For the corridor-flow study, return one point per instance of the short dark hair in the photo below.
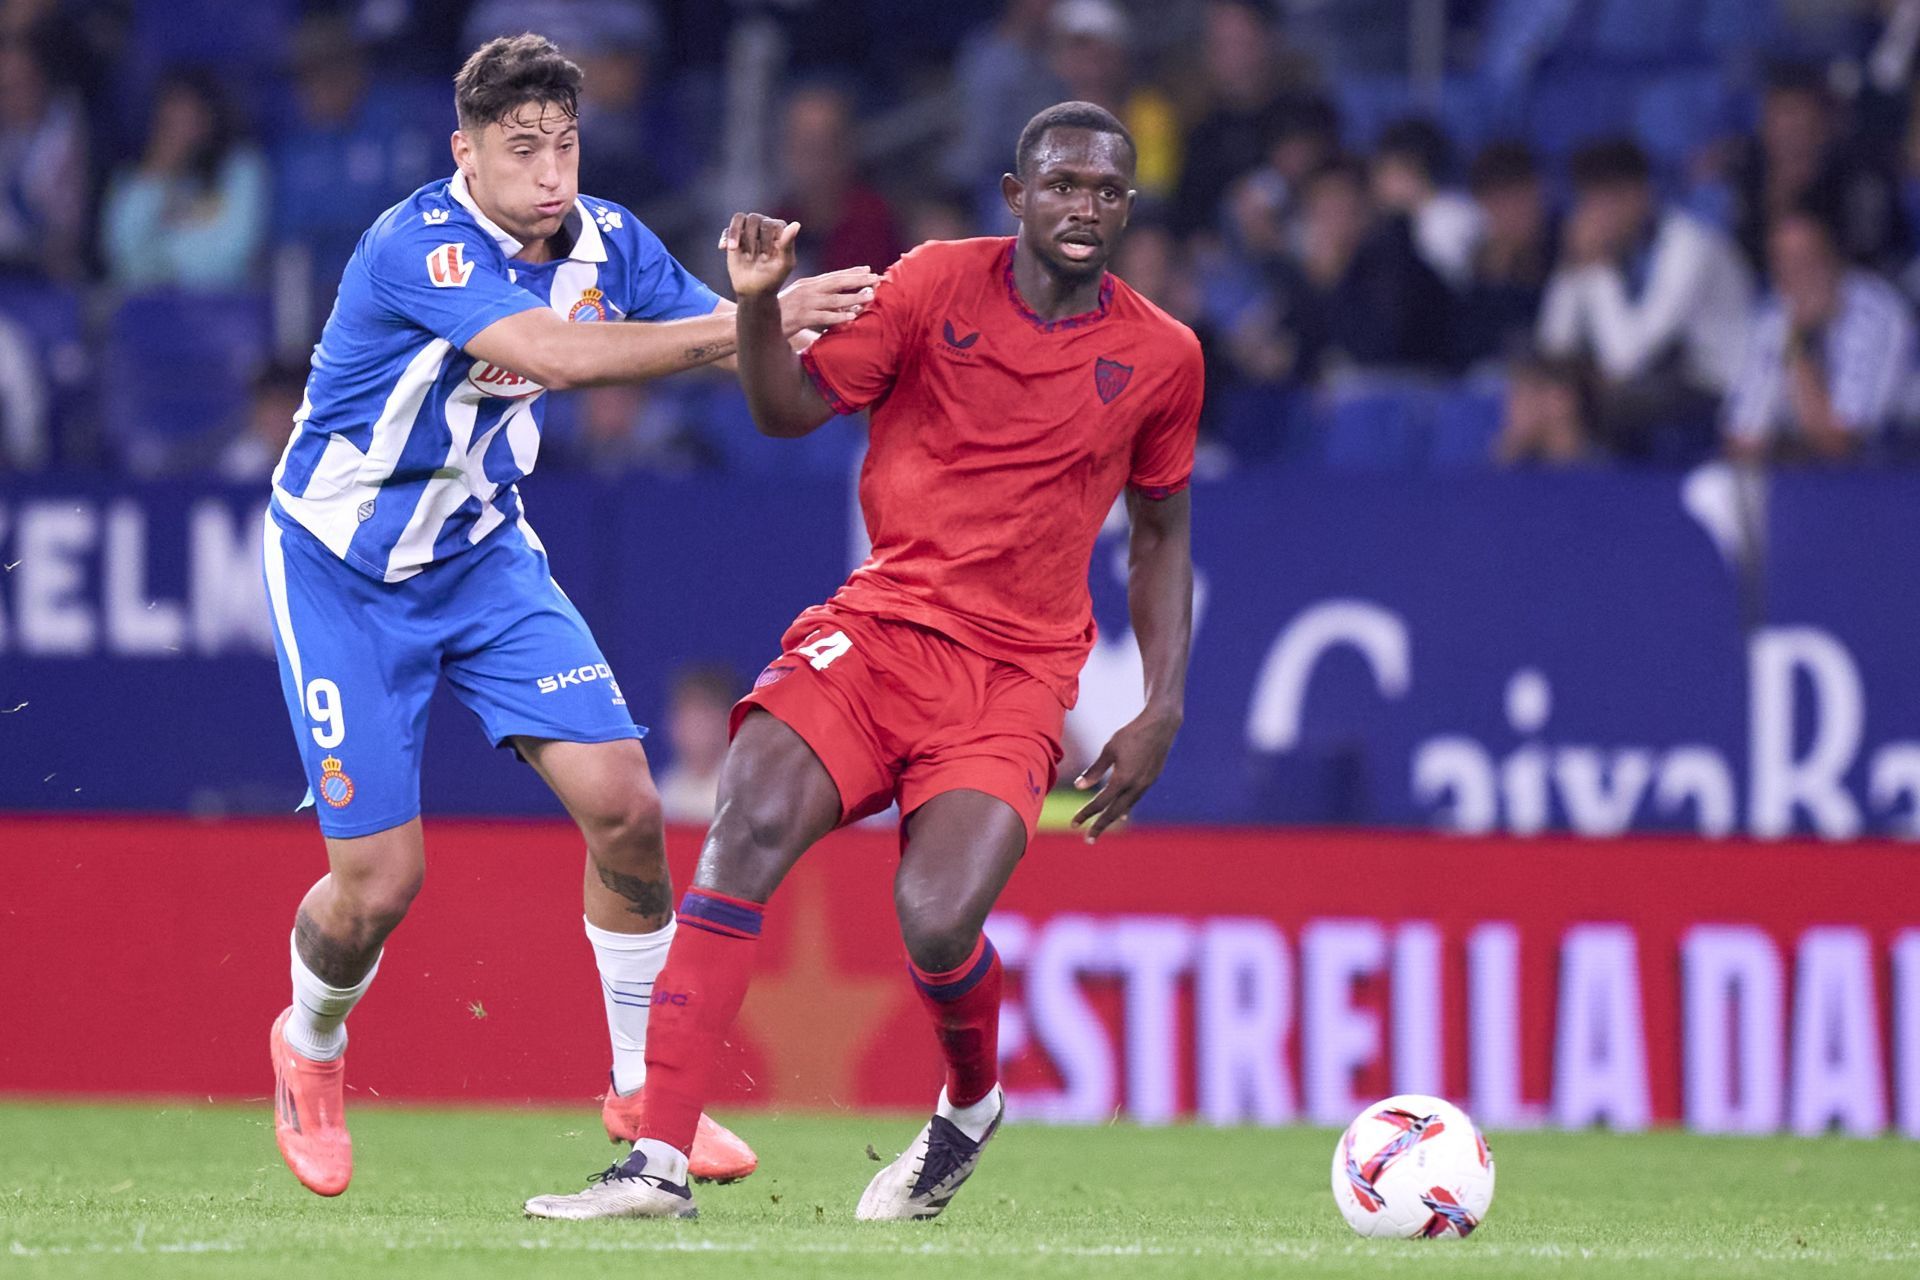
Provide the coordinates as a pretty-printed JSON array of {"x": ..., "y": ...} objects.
[
  {"x": 1575, "y": 374},
  {"x": 1339, "y": 168},
  {"x": 1069, "y": 115},
  {"x": 1502, "y": 164},
  {"x": 225, "y": 131},
  {"x": 1610, "y": 162},
  {"x": 1420, "y": 142},
  {"x": 1802, "y": 79},
  {"x": 510, "y": 72},
  {"x": 1816, "y": 214},
  {"x": 1307, "y": 115}
]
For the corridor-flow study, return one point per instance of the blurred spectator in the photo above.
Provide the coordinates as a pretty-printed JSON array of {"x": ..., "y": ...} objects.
[
  {"x": 1656, "y": 298},
  {"x": 936, "y": 215},
  {"x": 193, "y": 212},
  {"x": 421, "y": 37},
  {"x": 1151, "y": 260},
  {"x": 1410, "y": 162},
  {"x": 279, "y": 389},
  {"x": 344, "y": 158},
  {"x": 1499, "y": 304},
  {"x": 847, "y": 223},
  {"x": 1089, "y": 53},
  {"x": 1159, "y": 268},
  {"x": 1873, "y": 57},
  {"x": 1801, "y": 156},
  {"x": 43, "y": 167},
  {"x": 698, "y": 710},
  {"x": 1260, "y": 211},
  {"x": 1548, "y": 420},
  {"x": 1001, "y": 80},
  {"x": 632, "y": 150},
  {"x": 1357, "y": 294},
  {"x": 1831, "y": 352},
  {"x": 24, "y": 411},
  {"x": 1248, "y": 77}
]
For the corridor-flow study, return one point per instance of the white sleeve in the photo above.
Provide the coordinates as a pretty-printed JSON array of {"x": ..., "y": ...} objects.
[
  {"x": 1627, "y": 336},
  {"x": 1869, "y": 353}
]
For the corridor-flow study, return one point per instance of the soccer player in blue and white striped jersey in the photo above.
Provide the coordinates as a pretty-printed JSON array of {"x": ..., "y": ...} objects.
[{"x": 396, "y": 550}]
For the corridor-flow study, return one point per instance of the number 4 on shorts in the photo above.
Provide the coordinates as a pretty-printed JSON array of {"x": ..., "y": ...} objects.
[{"x": 822, "y": 653}]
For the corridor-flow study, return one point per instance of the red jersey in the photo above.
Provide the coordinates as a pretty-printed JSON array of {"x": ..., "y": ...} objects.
[{"x": 998, "y": 444}]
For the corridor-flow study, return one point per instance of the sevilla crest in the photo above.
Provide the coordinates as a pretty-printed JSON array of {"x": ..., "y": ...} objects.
[{"x": 1110, "y": 378}]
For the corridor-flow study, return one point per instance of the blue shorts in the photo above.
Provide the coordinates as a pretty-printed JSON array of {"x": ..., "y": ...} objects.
[{"x": 359, "y": 660}]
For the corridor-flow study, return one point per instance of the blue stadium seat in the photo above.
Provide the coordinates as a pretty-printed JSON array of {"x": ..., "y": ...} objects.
[
  {"x": 1379, "y": 427},
  {"x": 1368, "y": 104},
  {"x": 1569, "y": 109},
  {"x": 1464, "y": 426},
  {"x": 217, "y": 33},
  {"x": 1263, "y": 423},
  {"x": 1678, "y": 113},
  {"x": 177, "y": 367}
]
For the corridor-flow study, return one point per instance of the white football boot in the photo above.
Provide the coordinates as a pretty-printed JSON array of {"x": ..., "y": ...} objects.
[
  {"x": 650, "y": 1183},
  {"x": 924, "y": 1179}
]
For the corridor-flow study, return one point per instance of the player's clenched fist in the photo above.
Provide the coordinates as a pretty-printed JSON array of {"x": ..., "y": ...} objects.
[
  {"x": 760, "y": 257},
  {"x": 759, "y": 253}
]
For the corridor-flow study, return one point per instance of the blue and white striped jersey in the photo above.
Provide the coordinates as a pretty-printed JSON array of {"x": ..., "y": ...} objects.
[
  {"x": 1867, "y": 351},
  {"x": 406, "y": 450}
]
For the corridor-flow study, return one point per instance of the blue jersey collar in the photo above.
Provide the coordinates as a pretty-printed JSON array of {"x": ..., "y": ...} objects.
[{"x": 587, "y": 244}]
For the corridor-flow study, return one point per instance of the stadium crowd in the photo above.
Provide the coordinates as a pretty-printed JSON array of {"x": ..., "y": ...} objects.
[{"x": 1588, "y": 232}]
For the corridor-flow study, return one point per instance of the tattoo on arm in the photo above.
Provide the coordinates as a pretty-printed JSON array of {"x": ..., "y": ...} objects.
[
  {"x": 708, "y": 351},
  {"x": 336, "y": 963},
  {"x": 644, "y": 897}
]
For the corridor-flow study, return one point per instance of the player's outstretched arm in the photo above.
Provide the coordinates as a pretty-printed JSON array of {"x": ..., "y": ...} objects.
[
  {"x": 538, "y": 344},
  {"x": 781, "y": 396},
  {"x": 1160, "y": 600}
]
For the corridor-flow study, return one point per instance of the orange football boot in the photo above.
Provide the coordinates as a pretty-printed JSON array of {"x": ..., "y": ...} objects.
[
  {"x": 309, "y": 1115},
  {"x": 719, "y": 1154}
]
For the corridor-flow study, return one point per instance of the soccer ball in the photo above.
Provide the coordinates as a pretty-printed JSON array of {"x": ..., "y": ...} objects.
[{"x": 1412, "y": 1166}]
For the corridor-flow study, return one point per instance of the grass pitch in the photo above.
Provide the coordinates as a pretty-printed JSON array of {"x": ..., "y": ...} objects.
[{"x": 199, "y": 1191}]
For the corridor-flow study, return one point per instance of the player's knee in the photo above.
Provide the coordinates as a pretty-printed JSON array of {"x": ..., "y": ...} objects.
[
  {"x": 627, "y": 829},
  {"x": 374, "y": 905},
  {"x": 938, "y": 938},
  {"x": 753, "y": 841}
]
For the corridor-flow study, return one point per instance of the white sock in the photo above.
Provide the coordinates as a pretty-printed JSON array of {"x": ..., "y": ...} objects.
[
  {"x": 663, "y": 1161},
  {"x": 629, "y": 962},
  {"x": 974, "y": 1121},
  {"x": 317, "y": 1028}
]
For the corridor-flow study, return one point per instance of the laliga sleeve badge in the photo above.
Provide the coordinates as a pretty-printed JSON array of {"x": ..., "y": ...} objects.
[
  {"x": 336, "y": 788},
  {"x": 446, "y": 269}
]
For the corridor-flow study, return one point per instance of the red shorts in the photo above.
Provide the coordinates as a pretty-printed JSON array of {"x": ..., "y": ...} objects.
[{"x": 898, "y": 712}]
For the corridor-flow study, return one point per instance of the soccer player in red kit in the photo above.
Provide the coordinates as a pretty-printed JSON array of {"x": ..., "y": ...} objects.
[{"x": 1016, "y": 390}]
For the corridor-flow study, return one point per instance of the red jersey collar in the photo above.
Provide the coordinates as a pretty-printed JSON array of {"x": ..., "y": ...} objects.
[{"x": 1032, "y": 317}]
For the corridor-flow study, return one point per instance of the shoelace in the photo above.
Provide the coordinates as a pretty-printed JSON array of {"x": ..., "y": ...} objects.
[
  {"x": 620, "y": 1173},
  {"x": 948, "y": 1149}
]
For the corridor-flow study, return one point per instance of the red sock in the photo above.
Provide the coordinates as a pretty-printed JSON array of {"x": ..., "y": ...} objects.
[
  {"x": 695, "y": 999},
  {"x": 965, "y": 1006}
]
